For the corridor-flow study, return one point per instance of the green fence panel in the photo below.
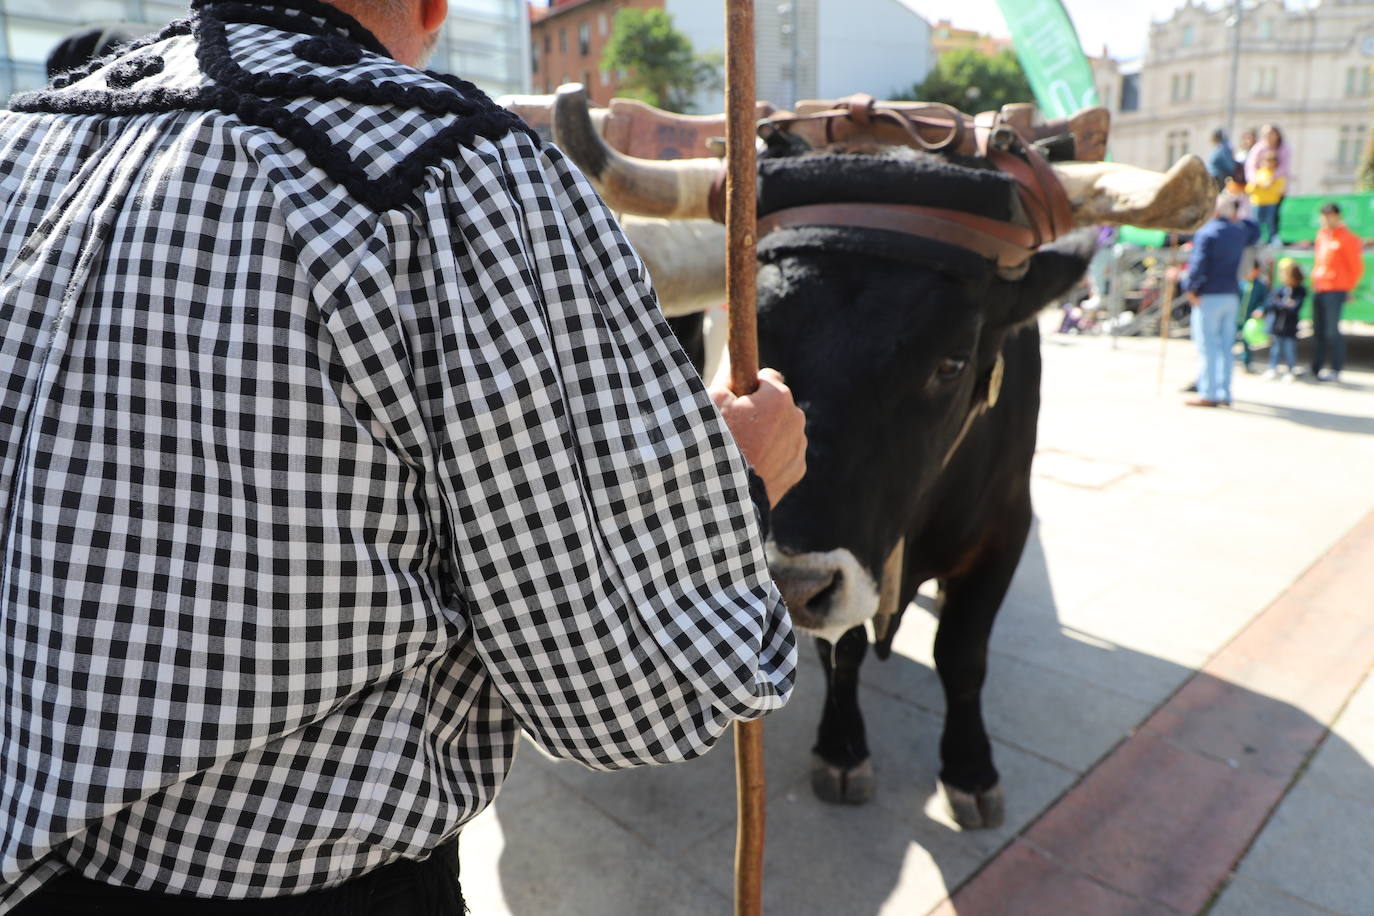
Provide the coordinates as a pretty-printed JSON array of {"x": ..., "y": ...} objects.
[{"x": 1300, "y": 215}]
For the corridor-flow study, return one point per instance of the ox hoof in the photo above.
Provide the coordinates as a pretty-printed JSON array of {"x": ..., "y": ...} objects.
[
  {"x": 975, "y": 811},
  {"x": 841, "y": 786}
]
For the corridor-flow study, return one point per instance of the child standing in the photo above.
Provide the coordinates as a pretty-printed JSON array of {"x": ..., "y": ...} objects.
[
  {"x": 1254, "y": 299},
  {"x": 1266, "y": 190},
  {"x": 1284, "y": 306}
]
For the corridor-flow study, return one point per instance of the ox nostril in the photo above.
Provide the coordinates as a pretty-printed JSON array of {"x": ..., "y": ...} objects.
[{"x": 809, "y": 590}]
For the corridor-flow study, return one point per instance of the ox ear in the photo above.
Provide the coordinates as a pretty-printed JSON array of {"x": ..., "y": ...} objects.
[{"x": 1053, "y": 271}]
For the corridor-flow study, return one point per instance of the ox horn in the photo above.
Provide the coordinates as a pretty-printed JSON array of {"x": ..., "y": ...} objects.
[
  {"x": 674, "y": 189},
  {"x": 1179, "y": 200}
]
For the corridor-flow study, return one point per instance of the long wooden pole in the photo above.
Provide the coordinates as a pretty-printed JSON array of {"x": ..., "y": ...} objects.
[
  {"x": 1166, "y": 311},
  {"x": 741, "y": 272}
]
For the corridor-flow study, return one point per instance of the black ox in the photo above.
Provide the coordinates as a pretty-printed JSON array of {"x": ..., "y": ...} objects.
[{"x": 917, "y": 364}]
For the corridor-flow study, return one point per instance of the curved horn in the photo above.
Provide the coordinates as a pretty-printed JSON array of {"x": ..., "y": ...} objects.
[
  {"x": 685, "y": 259},
  {"x": 676, "y": 189},
  {"x": 1180, "y": 200}
]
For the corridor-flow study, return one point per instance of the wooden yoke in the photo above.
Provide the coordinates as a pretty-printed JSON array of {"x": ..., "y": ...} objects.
[{"x": 741, "y": 278}]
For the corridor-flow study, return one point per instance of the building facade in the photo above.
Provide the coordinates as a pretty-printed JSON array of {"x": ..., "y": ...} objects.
[
  {"x": 804, "y": 48},
  {"x": 486, "y": 41},
  {"x": 1306, "y": 70},
  {"x": 945, "y": 37}
]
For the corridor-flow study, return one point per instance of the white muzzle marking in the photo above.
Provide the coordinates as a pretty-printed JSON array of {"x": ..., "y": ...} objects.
[{"x": 851, "y": 593}]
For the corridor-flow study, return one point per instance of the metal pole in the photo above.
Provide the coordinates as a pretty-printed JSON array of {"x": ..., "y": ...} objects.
[
  {"x": 1235, "y": 74},
  {"x": 741, "y": 278}
]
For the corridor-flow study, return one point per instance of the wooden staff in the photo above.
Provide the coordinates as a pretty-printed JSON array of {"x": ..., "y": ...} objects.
[
  {"x": 1166, "y": 313},
  {"x": 741, "y": 277}
]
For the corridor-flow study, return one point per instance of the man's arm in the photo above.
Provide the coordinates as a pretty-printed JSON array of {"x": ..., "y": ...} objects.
[
  {"x": 604, "y": 543},
  {"x": 1195, "y": 277},
  {"x": 1353, "y": 253}
]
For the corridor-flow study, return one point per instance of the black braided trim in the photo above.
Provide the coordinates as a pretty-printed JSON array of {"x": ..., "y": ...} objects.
[
  {"x": 127, "y": 72},
  {"x": 62, "y": 80},
  {"x": 247, "y": 95}
]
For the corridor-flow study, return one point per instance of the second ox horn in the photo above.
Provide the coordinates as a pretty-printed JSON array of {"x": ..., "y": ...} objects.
[{"x": 673, "y": 189}]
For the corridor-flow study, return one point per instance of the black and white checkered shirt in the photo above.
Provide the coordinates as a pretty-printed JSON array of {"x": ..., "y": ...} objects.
[{"x": 340, "y": 440}]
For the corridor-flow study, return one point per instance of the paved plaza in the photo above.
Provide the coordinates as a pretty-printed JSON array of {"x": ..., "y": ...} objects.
[{"x": 1179, "y": 695}]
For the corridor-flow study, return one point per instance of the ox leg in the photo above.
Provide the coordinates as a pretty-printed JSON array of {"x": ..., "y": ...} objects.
[
  {"x": 841, "y": 771},
  {"x": 968, "y": 605}
]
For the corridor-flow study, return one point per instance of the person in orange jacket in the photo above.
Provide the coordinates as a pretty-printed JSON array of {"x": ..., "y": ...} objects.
[{"x": 1338, "y": 268}]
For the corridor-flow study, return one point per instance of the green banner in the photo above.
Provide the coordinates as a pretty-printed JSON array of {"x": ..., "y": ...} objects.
[{"x": 1051, "y": 56}]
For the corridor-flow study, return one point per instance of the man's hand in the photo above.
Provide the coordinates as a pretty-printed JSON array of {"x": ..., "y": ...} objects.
[
  {"x": 769, "y": 428},
  {"x": 1194, "y": 299}
]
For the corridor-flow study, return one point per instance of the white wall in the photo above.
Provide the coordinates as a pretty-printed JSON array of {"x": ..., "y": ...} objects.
[
  {"x": 872, "y": 46},
  {"x": 844, "y": 47}
]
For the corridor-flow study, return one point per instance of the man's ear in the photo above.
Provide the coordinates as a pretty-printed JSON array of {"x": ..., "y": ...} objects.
[
  {"x": 1053, "y": 271},
  {"x": 432, "y": 14}
]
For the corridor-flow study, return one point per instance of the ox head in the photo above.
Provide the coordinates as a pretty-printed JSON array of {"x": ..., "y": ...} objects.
[{"x": 889, "y": 340}]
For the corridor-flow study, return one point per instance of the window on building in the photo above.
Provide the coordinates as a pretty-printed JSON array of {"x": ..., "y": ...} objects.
[
  {"x": 587, "y": 79},
  {"x": 603, "y": 24},
  {"x": 548, "y": 43},
  {"x": 605, "y": 77},
  {"x": 1357, "y": 82},
  {"x": 1181, "y": 87},
  {"x": 1130, "y": 92},
  {"x": 584, "y": 39},
  {"x": 1266, "y": 29},
  {"x": 563, "y": 41},
  {"x": 1176, "y": 143},
  {"x": 1266, "y": 82},
  {"x": 534, "y": 57},
  {"x": 1351, "y": 145},
  {"x": 1189, "y": 35}
]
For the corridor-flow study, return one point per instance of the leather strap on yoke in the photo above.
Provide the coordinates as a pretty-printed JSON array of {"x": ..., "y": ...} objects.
[
  {"x": 934, "y": 128},
  {"x": 1008, "y": 244}
]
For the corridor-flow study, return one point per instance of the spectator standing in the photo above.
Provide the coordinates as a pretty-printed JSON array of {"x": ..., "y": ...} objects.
[
  {"x": 1339, "y": 265},
  {"x": 1212, "y": 282},
  {"x": 1266, "y": 190},
  {"x": 1222, "y": 162},
  {"x": 1256, "y": 297},
  {"x": 1271, "y": 141},
  {"x": 1283, "y": 308},
  {"x": 1247, "y": 140}
]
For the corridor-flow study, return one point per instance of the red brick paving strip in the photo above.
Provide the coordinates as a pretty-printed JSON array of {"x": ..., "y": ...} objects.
[{"x": 1159, "y": 824}]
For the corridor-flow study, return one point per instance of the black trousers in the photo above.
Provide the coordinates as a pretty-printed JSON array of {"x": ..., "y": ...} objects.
[{"x": 403, "y": 888}]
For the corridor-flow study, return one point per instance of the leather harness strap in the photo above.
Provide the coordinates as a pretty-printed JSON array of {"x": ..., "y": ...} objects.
[
  {"x": 1008, "y": 244},
  {"x": 934, "y": 128}
]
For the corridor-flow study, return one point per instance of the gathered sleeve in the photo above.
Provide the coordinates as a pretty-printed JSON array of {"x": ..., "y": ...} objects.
[{"x": 603, "y": 541}]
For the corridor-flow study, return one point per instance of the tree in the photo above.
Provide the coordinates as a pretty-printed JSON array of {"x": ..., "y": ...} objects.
[
  {"x": 973, "y": 82},
  {"x": 658, "y": 61}
]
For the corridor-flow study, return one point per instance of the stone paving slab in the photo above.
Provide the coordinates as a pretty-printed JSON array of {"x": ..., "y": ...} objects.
[
  {"x": 1161, "y": 534},
  {"x": 1317, "y": 849},
  {"x": 1244, "y": 897}
]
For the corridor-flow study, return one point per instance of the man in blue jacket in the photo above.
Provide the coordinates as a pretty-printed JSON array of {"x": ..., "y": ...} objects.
[
  {"x": 1212, "y": 283},
  {"x": 1222, "y": 163}
]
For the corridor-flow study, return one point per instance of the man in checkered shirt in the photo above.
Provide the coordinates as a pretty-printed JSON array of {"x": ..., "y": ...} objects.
[{"x": 340, "y": 441}]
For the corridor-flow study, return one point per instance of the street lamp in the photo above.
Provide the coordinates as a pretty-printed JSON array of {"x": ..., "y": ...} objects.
[{"x": 1233, "y": 23}]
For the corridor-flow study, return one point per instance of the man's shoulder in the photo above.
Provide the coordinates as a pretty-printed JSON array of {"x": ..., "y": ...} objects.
[{"x": 305, "y": 73}]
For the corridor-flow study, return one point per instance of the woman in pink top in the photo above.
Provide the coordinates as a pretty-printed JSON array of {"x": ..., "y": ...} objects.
[{"x": 1270, "y": 139}]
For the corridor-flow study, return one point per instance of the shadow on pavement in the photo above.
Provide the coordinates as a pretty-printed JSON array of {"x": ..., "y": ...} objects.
[
  {"x": 660, "y": 841},
  {"x": 1316, "y": 419}
]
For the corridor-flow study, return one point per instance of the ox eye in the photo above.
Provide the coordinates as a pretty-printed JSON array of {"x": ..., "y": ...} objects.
[{"x": 950, "y": 368}]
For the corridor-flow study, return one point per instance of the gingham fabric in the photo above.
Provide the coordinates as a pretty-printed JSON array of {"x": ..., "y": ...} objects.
[{"x": 308, "y": 507}]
